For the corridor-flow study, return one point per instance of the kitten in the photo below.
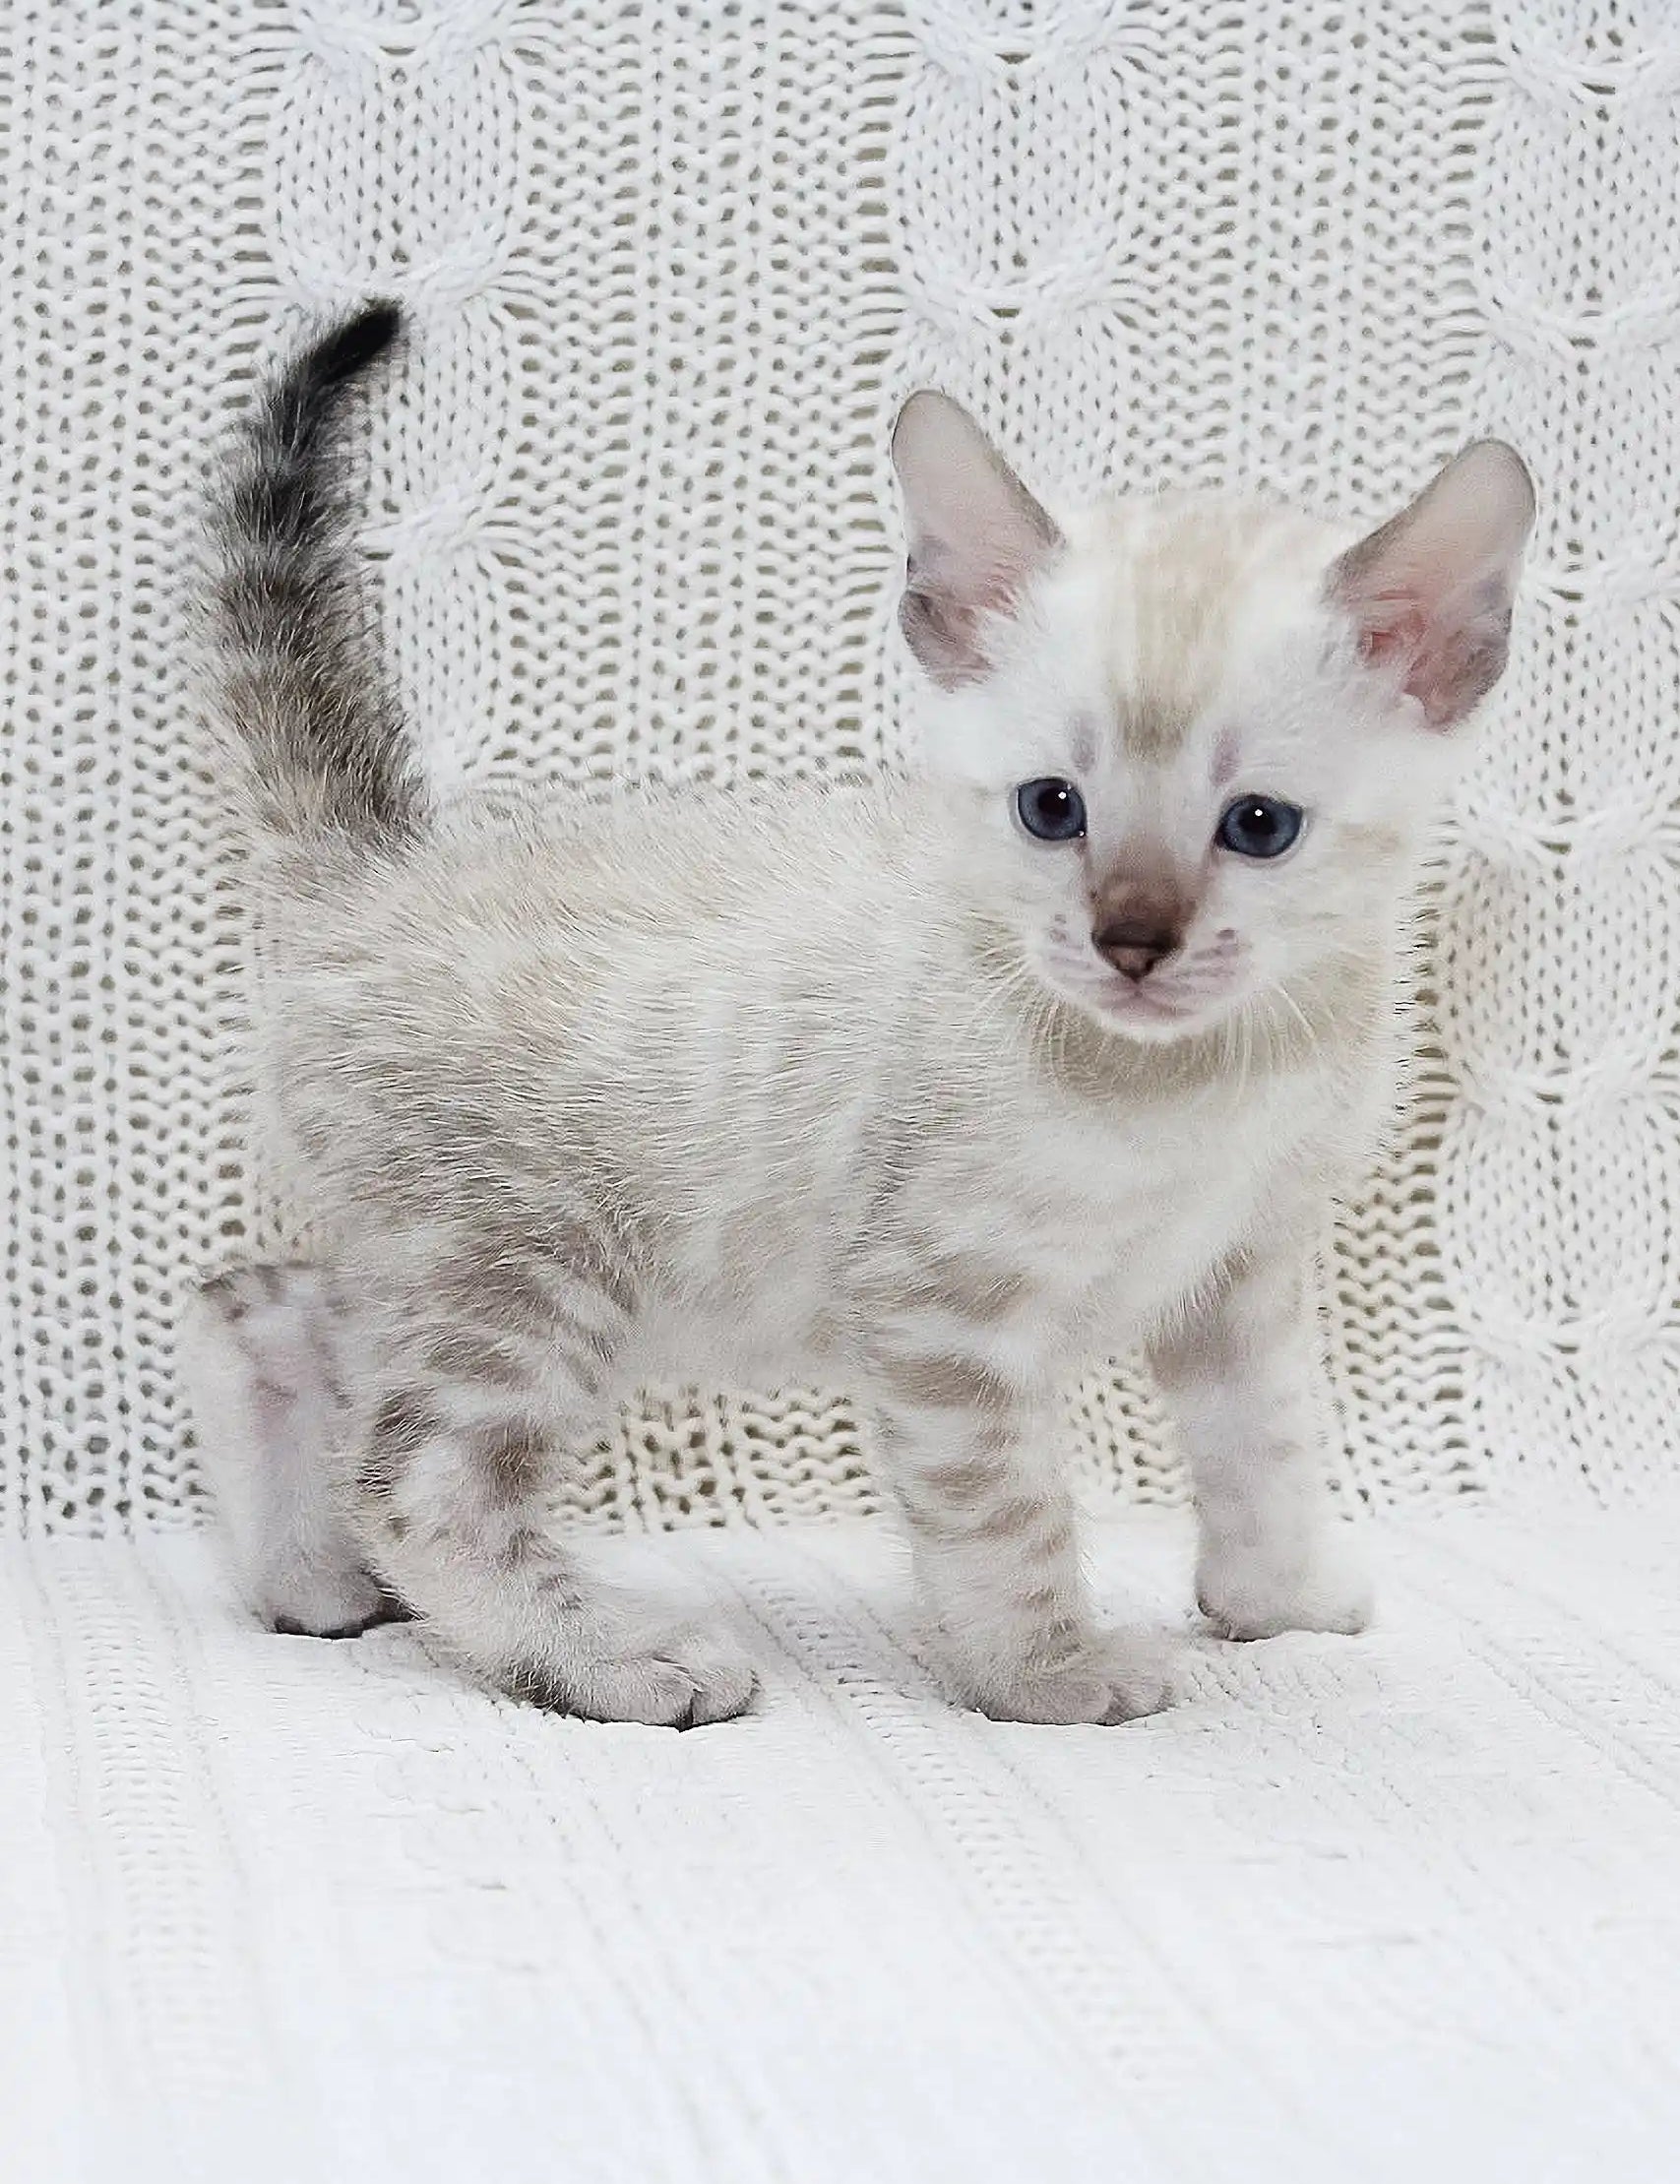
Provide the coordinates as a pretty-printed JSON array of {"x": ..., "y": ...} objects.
[{"x": 939, "y": 1089}]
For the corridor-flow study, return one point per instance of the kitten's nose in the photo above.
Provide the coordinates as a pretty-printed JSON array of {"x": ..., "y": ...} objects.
[{"x": 1135, "y": 945}]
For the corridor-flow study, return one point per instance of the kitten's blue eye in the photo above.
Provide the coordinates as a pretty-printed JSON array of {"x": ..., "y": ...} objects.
[
  {"x": 1051, "y": 810},
  {"x": 1259, "y": 825}
]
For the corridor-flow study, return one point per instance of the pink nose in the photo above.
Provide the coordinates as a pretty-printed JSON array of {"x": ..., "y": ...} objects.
[{"x": 1135, "y": 945}]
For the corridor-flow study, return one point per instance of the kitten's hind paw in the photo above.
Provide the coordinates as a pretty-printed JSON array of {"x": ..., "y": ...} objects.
[
  {"x": 1109, "y": 1678},
  {"x": 683, "y": 1681},
  {"x": 333, "y": 1603},
  {"x": 258, "y": 1352}
]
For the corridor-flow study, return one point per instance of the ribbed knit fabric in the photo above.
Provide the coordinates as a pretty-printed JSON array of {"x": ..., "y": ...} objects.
[
  {"x": 1398, "y": 1908},
  {"x": 671, "y": 269}
]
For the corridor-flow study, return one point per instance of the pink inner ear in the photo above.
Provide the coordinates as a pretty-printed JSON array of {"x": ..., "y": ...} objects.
[
  {"x": 945, "y": 607},
  {"x": 1394, "y": 632},
  {"x": 1430, "y": 592},
  {"x": 1398, "y": 636},
  {"x": 1445, "y": 665}
]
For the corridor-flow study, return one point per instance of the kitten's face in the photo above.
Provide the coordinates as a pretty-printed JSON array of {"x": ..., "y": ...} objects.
[
  {"x": 1192, "y": 744},
  {"x": 1176, "y": 684}
]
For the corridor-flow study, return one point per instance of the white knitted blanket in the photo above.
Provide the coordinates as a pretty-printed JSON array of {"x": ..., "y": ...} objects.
[
  {"x": 1400, "y": 1910},
  {"x": 1403, "y": 1908},
  {"x": 672, "y": 267}
]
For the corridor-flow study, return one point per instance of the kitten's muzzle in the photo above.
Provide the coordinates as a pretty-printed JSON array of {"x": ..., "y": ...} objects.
[{"x": 1135, "y": 946}]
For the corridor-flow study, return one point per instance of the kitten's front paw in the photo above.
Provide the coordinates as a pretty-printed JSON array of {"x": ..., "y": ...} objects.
[
  {"x": 1253, "y": 1593},
  {"x": 1109, "y": 1677},
  {"x": 682, "y": 1681}
]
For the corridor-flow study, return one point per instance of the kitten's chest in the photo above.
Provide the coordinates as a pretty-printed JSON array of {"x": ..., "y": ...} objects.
[{"x": 1168, "y": 1195}]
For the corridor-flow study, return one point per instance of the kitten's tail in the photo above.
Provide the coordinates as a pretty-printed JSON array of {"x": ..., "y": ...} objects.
[{"x": 317, "y": 739}]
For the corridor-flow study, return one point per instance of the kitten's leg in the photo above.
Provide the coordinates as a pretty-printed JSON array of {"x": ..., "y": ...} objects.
[
  {"x": 257, "y": 1362},
  {"x": 1241, "y": 1373},
  {"x": 996, "y": 1545},
  {"x": 464, "y": 1444}
]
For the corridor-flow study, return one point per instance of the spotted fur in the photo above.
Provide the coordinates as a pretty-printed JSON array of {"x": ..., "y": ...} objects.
[{"x": 839, "y": 1084}]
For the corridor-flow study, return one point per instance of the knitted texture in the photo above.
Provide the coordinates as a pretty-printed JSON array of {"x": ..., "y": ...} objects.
[
  {"x": 1396, "y": 1909},
  {"x": 671, "y": 268}
]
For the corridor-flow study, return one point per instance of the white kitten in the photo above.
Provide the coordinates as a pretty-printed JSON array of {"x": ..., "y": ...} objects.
[{"x": 942, "y": 1089}]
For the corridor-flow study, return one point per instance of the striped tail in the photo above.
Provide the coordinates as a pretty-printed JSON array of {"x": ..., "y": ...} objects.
[{"x": 320, "y": 744}]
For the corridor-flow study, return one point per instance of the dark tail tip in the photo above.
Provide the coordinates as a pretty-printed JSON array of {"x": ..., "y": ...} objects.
[
  {"x": 353, "y": 345},
  {"x": 304, "y": 398}
]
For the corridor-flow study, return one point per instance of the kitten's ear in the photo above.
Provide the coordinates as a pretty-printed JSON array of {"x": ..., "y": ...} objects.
[
  {"x": 1430, "y": 593},
  {"x": 976, "y": 537}
]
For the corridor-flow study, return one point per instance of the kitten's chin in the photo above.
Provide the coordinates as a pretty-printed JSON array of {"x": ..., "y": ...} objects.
[
  {"x": 1136, "y": 1016},
  {"x": 1153, "y": 1017}
]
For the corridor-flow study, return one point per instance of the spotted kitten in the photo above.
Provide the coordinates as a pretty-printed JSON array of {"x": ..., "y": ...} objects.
[{"x": 941, "y": 1089}]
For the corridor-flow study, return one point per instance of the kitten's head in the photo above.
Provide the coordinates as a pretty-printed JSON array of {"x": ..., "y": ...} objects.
[{"x": 1192, "y": 743}]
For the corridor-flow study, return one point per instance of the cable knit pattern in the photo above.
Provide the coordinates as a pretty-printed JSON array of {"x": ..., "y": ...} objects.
[
  {"x": 1385, "y": 1909},
  {"x": 1390, "y": 1910},
  {"x": 670, "y": 272}
]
